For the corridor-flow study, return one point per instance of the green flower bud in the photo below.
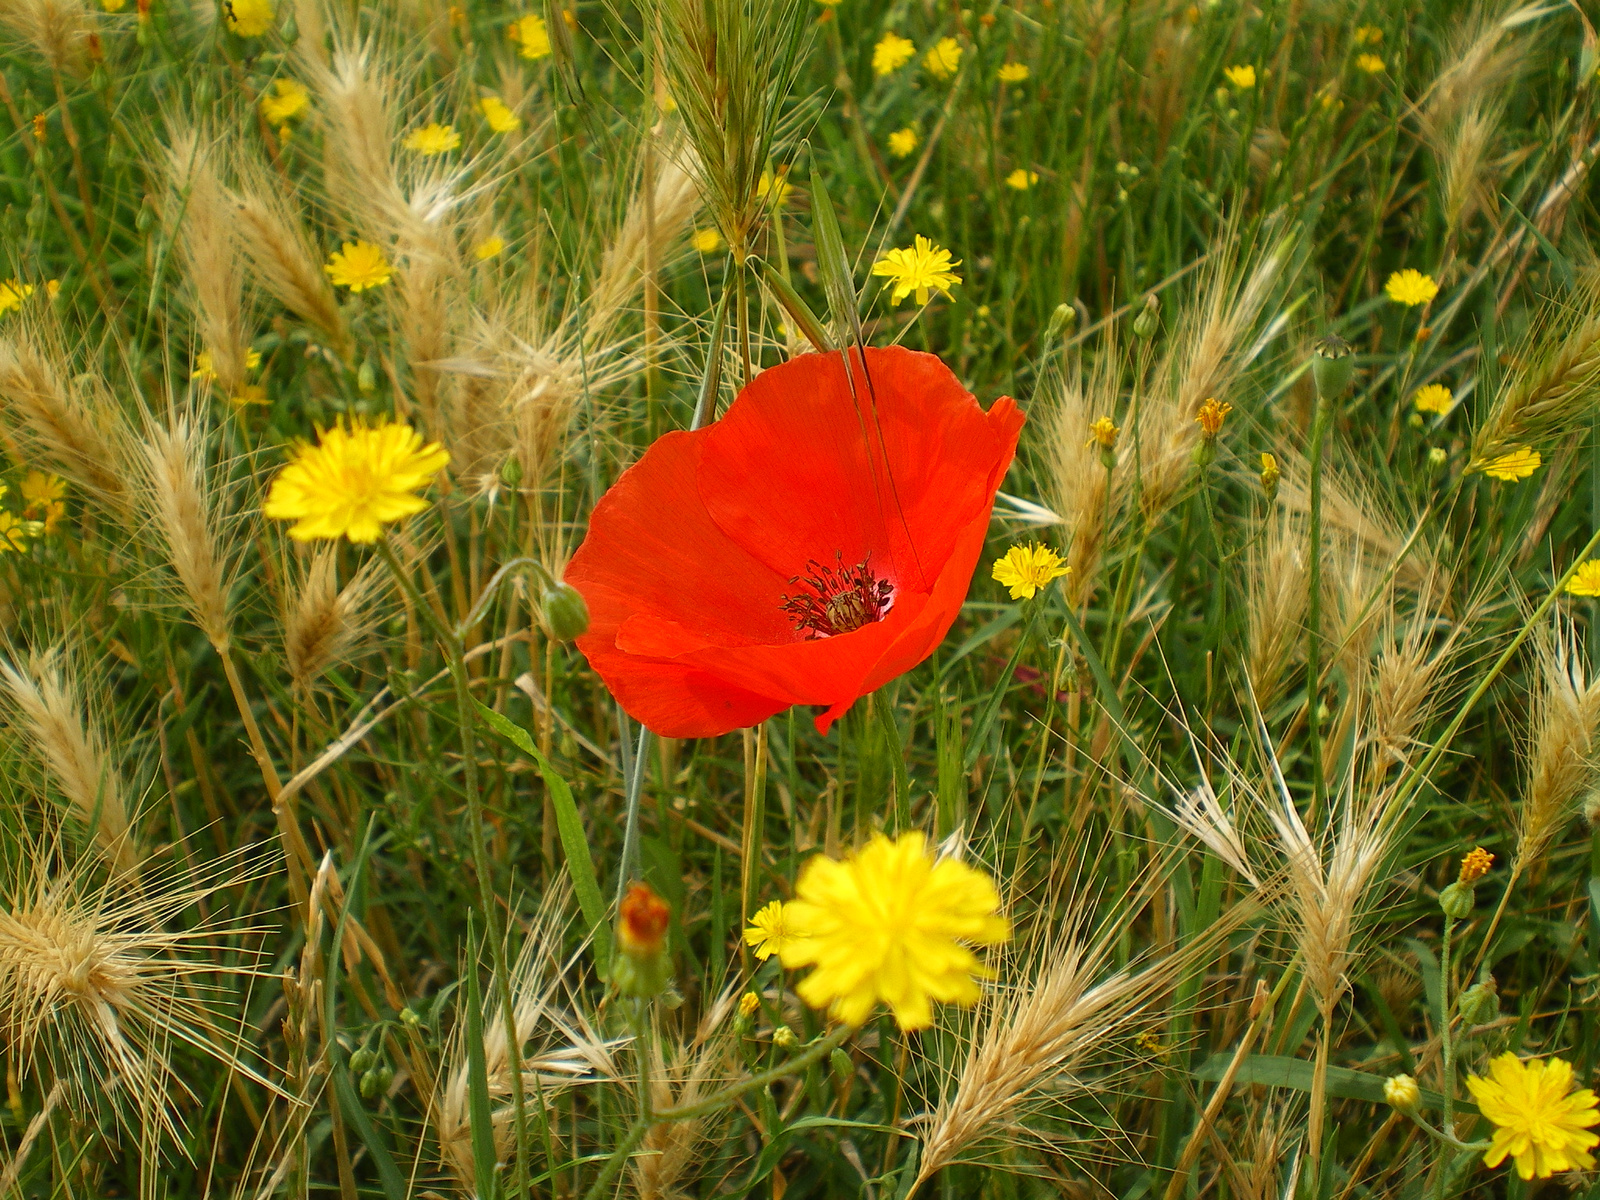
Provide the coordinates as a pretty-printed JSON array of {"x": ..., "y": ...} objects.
[
  {"x": 363, "y": 1060},
  {"x": 566, "y": 616},
  {"x": 1064, "y": 317},
  {"x": 785, "y": 1038},
  {"x": 1333, "y": 363},
  {"x": 842, "y": 1068},
  {"x": 367, "y": 377},
  {"x": 511, "y": 473},
  {"x": 376, "y": 1082},
  {"x": 1479, "y": 1004},
  {"x": 1457, "y": 900},
  {"x": 1149, "y": 318}
]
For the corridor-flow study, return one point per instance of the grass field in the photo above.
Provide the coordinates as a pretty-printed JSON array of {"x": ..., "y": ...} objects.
[{"x": 1210, "y": 817}]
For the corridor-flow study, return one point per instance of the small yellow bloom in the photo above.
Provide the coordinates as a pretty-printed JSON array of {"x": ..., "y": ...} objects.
[
  {"x": 748, "y": 1003},
  {"x": 1013, "y": 72},
  {"x": 903, "y": 141},
  {"x": 499, "y": 116},
  {"x": 1585, "y": 580},
  {"x": 358, "y": 266},
  {"x": 113, "y": 6},
  {"x": 12, "y": 294},
  {"x": 1475, "y": 865},
  {"x": 288, "y": 98},
  {"x": 943, "y": 59},
  {"x": 921, "y": 268},
  {"x": 1411, "y": 288},
  {"x": 531, "y": 36},
  {"x": 52, "y": 288},
  {"x": 13, "y": 533},
  {"x": 1371, "y": 64},
  {"x": 1211, "y": 416},
  {"x": 1518, "y": 464},
  {"x": 249, "y": 393},
  {"x": 1026, "y": 570},
  {"x": 1103, "y": 430},
  {"x": 433, "y": 139},
  {"x": 39, "y": 488},
  {"x": 1368, "y": 35},
  {"x": 1270, "y": 474},
  {"x": 707, "y": 241},
  {"x": 489, "y": 247},
  {"x": 1022, "y": 180},
  {"x": 249, "y": 18},
  {"x": 891, "y": 923},
  {"x": 891, "y": 53},
  {"x": 1243, "y": 78},
  {"x": 768, "y": 933},
  {"x": 1433, "y": 398},
  {"x": 354, "y": 481},
  {"x": 779, "y": 190},
  {"x": 1543, "y": 1124},
  {"x": 1151, "y": 1044},
  {"x": 205, "y": 369},
  {"x": 1402, "y": 1092}
]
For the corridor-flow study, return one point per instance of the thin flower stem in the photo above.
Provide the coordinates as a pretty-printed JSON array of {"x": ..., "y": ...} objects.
[
  {"x": 455, "y": 658},
  {"x": 1447, "y": 1063},
  {"x": 688, "y": 1112},
  {"x": 1322, "y": 409},
  {"x": 630, "y": 831}
]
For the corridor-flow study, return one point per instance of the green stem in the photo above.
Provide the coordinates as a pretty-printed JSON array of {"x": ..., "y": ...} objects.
[
  {"x": 1447, "y": 1049},
  {"x": 1320, "y": 419},
  {"x": 455, "y": 656}
]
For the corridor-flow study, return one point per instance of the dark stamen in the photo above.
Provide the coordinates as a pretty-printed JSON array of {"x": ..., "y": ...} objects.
[{"x": 841, "y": 598}]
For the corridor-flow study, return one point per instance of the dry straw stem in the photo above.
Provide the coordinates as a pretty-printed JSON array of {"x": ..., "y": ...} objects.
[
  {"x": 57, "y": 30},
  {"x": 570, "y": 1051},
  {"x": 1077, "y": 477},
  {"x": 667, "y": 1157},
  {"x": 282, "y": 255},
  {"x": 730, "y": 65},
  {"x": 1276, "y": 587},
  {"x": 1071, "y": 1009},
  {"x": 1563, "y": 765},
  {"x": 322, "y": 622},
  {"x": 48, "y": 709},
  {"x": 1213, "y": 342},
  {"x": 96, "y": 990},
  {"x": 206, "y": 227},
  {"x": 65, "y": 420},
  {"x": 1550, "y": 393},
  {"x": 184, "y": 510}
]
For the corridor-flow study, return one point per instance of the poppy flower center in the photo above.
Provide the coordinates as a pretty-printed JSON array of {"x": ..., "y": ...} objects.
[{"x": 840, "y": 599}]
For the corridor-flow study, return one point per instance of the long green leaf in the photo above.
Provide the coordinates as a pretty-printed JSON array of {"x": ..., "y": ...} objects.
[
  {"x": 483, "y": 1152},
  {"x": 574, "y": 842},
  {"x": 1277, "y": 1070}
]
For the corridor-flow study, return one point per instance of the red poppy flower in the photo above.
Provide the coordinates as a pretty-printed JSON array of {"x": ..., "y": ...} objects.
[{"x": 809, "y": 547}]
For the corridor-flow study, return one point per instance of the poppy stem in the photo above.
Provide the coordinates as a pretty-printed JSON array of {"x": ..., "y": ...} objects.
[{"x": 630, "y": 829}]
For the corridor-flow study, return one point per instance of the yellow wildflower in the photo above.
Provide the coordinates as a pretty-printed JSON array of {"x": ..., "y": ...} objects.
[
  {"x": 707, "y": 241},
  {"x": 288, "y": 98},
  {"x": 1013, "y": 72},
  {"x": 358, "y": 266},
  {"x": 205, "y": 369},
  {"x": 531, "y": 36},
  {"x": 1211, "y": 416},
  {"x": 1433, "y": 398},
  {"x": 489, "y": 247},
  {"x": 433, "y": 138},
  {"x": 1022, "y": 180},
  {"x": 903, "y": 141},
  {"x": 499, "y": 116},
  {"x": 249, "y": 393},
  {"x": 891, "y": 923},
  {"x": 779, "y": 190},
  {"x": 1368, "y": 35},
  {"x": 943, "y": 58},
  {"x": 1585, "y": 580},
  {"x": 12, "y": 294},
  {"x": 249, "y": 18},
  {"x": 1243, "y": 78},
  {"x": 113, "y": 6},
  {"x": 1103, "y": 430},
  {"x": 1475, "y": 865},
  {"x": 1371, "y": 64},
  {"x": 13, "y": 533},
  {"x": 354, "y": 481},
  {"x": 1027, "y": 570},
  {"x": 921, "y": 268},
  {"x": 1518, "y": 464},
  {"x": 748, "y": 1003},
  {"x": 1411, "y": 288},
  {"x": 1402, "y": 1092},
  {"x": 1543, "y": 1124},
  {"x": 768, "y": 933},
  {"x": 891, "y": 53}
]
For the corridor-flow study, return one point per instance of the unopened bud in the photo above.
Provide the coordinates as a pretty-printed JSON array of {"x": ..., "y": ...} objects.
[
  {"x": 1402, "y": 1092},
  {"x": 376, "y": 1082},
  {"x": 511, "y": 472},
  {"x": 1456, "y": 901},
  {"x": 641, "y": 966},
  {"x": 566, "y": 615},
  {"x": 1063, "y": 319},
  {"x": 1437, "y": 458},
  {"x": 1270, "y": 476},
  {"x": 367, "y": 377},
  {"x": 1149, "y": 318},
  {"x": 843, "y": 1069},
  {"x": 1333, "y": 363},
  {"x": 1479, "y": 1004},
  {"x": 362, "y": 1060},
  {"x": 785, "y": 1038}
]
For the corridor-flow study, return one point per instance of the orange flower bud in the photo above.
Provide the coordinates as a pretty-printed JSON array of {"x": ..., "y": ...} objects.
[{"x": 644, "y": 922}]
